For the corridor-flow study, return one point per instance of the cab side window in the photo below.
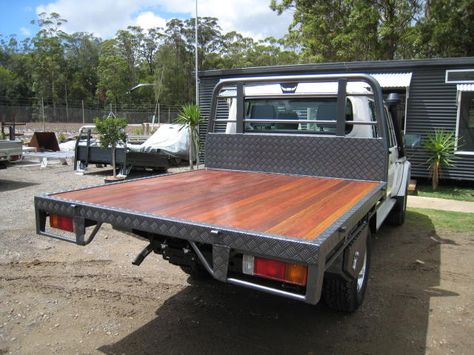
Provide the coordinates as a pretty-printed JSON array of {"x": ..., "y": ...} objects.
[
  {"x": 391, "y": 131},
  {"x": 372, "y": 117}
]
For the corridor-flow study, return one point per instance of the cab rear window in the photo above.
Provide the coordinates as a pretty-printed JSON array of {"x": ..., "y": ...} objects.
[{"x": 277, "y": 115}]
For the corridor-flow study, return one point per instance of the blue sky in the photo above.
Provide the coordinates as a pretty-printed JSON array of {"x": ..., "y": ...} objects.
[
  {"x": 104, "y": 17},
  {"x": 15, "y": 16}
]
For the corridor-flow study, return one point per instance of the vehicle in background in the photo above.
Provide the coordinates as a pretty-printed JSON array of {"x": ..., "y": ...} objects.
[{"x": 10, "y": 150}]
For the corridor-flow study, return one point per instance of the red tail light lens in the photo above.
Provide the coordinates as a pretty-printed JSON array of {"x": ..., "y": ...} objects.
[
  {"x": 296, "y": 274},
  {"x": 271, "y": 269},
  {"x": 61, "y": 222}
]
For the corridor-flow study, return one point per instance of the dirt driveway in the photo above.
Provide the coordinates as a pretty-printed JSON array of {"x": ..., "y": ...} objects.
[{"x": 56, "y": 297}]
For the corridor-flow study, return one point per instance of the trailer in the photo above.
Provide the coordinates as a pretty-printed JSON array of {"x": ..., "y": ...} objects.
[
  {"x": 300, "y": 172},
  {"x": 88, "y": 151}
]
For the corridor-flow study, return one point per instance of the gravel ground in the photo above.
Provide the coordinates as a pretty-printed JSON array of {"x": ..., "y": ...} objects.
[{"x": 57, "y": 297}]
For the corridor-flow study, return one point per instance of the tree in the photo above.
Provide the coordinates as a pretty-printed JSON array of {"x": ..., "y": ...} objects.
[
  {"x": 7, "y": 81},
  {"x": 48, "y": 57},
  {"x": 82, "y": 61},
  {"x": 190, "y": 117},
  {"x": 149, "y": 44},
  {"x": 209, "y": 39},
  {"x": 447, "y": 29},
  {"x": 113, "y": 74},
  {"x": 350, "y": 29},
  {"x": 112, "y": 132}
]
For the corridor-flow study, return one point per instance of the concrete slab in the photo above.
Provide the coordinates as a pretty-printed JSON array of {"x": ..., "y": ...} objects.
[{"x": 440, "y": 204}]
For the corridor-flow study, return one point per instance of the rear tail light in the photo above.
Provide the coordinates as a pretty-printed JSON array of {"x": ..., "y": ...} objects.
[
  {"x": 61, "y": 222},
  {"x": 14, "y": 157},
  {"x": 275, "y": 270}
]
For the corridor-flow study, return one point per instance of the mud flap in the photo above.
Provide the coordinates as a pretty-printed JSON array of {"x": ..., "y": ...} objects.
[
  {"x": 349, "y": 263},
  {"x": 354, "y": 254}
]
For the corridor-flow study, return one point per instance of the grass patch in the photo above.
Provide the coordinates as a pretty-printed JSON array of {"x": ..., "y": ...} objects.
[
  {"x": 448, "y": 192},
  {"x": 444, "y": 220}
]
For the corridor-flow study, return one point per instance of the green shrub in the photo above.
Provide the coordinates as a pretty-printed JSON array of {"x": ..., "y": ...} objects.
[{"x": 440, "y": 144}]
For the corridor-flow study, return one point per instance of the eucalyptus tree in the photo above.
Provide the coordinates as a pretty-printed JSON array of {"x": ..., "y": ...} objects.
[
  {"x": 113, "y": 74},
  {"x": 447, "y": 28},
  {"x": 48, "y": 57},
  {"x": 82, "y": 58},
  {"x": 15, "y": 67},
  {"x": 351, "y": 29}
]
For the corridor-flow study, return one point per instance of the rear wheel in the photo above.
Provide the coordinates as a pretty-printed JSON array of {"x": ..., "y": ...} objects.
[{"x": 347, "y": 294}]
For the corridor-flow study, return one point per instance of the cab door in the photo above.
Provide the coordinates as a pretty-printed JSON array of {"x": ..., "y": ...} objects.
[{"x": 395, "y": 165}]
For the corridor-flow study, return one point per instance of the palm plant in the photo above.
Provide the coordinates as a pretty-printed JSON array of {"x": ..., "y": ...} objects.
[
  {"x": 440, "y": 144},
  {"x": 111, "y": 132},
  {"x": 190, "y": 117}
]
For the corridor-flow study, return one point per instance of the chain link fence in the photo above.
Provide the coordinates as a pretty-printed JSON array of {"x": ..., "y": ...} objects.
[{"x": 36, "y": 110}]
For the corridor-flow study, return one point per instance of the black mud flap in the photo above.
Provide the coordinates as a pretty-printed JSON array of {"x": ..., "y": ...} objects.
[
  {"x": 349, "y": 263},
  {"x": 354, "y": 254}
]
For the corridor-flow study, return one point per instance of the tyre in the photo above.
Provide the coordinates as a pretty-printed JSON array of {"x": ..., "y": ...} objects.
[
  {"x": 396, "y": 216},
  {"x": 161, "y": 170},
  {"x": 347, "y": 294}
]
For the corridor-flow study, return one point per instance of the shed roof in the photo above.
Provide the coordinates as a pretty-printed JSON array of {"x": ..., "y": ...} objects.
[
  {"x": 393, "y": 80},
  {"x": 367, "y": 66},
  {"x": 465, "y": 87}
]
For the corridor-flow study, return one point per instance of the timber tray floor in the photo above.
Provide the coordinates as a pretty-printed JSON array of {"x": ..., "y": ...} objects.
[{"x": 292, "y": 206}]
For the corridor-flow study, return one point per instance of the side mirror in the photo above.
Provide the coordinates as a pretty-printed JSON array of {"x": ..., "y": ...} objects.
[{"x": 412, "y": 141}]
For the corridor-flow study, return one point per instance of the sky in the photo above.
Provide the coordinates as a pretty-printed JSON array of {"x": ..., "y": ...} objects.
[{"x": 252, "y": 18}]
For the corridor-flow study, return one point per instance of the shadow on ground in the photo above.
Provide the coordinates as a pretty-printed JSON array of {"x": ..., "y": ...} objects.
[
  {"x": 134, "y": 174},
  {"x": 8, "y": 185},
  {"x": 214, "y": 318}
]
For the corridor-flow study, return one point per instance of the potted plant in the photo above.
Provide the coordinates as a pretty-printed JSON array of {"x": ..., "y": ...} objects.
[
  {"x": 190, "y": 117},
  {"x": 440, "y": 144},
  {"x": 111, "y": 132}
]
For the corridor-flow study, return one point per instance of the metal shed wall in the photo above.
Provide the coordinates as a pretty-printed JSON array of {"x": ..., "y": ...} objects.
[{"x": 431, "y": 103}]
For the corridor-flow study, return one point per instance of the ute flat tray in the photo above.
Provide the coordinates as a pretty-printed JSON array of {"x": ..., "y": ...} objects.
[{"x": 300, "y": 207}]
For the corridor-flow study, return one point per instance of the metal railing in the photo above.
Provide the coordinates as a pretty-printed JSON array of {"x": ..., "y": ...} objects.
[{"x": 340, "y": 79}]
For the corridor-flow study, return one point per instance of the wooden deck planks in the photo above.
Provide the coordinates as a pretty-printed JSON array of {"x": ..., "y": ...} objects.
[{"x": 292, "y": 206}]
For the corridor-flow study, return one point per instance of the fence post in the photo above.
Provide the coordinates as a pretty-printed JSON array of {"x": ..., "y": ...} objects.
[
  {"x": 42, "y": 112},
  {"x": 67, "y": 106},
  {"x": 159, "y": 113},
  {"x": 169, "y": 114},
  {"x": 83, "y": 116}
]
